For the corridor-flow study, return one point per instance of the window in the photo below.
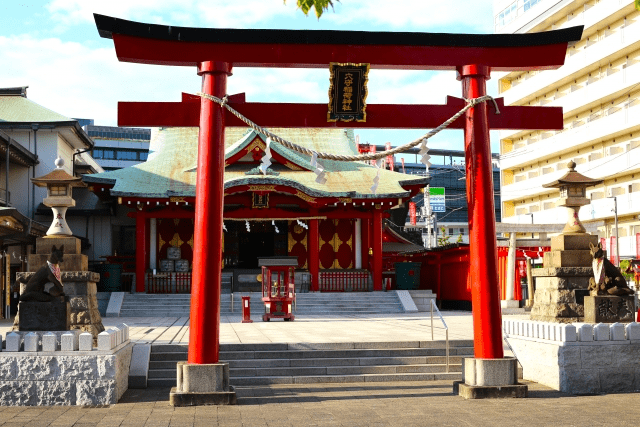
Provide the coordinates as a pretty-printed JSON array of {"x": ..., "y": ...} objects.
[
  {"x": 58, "y": 190},
  {"x": 97, "y": 154},
  {"x": 108, "y": 154},
  {"x": 143, "y": 155},
  {"x": 528, "y": 4},
  {"x": 126, "y": 155}
]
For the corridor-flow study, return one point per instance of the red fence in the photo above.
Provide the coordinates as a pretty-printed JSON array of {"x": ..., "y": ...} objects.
[
  {"x": 343, "y": 280},
  {"x": 169, "y": 283}
]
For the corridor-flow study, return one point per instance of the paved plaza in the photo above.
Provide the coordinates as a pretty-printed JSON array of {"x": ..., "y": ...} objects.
[{"x": 355, "y": 404}]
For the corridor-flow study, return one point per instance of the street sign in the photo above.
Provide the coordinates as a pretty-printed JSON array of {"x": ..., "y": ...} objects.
[{"x": 436, "y": 199}]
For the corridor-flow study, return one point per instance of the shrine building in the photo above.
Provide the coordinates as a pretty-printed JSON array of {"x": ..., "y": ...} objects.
[{"x": 336, "y": 227}]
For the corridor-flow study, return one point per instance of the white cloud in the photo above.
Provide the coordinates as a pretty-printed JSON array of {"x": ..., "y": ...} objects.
[
  {"x": 212, "y": 13},
  {"x": 405, "y": 15},
  {"x": 416, "y": 14}
]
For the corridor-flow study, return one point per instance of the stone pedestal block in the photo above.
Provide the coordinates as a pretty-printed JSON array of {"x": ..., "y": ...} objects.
[
  {"x": 80, "y": 289},
  {"x": 567, "y": 258},
  {"x": 206, "y": 384},
  {"x": 71, "y": 262},
  {"x": 71, "y": 245},
  {"x": 609, "y": 309},
  {"x": 570, "y": 242},
  {"x": 560, "y": 293},
  {"x": 44, "y": 316},
  {"x": 489, "y": 378}
]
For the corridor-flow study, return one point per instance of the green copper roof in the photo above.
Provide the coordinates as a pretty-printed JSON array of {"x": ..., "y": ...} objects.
[
  {"x": 170, "y": 169},
  {"x": 17, "y": 109}
]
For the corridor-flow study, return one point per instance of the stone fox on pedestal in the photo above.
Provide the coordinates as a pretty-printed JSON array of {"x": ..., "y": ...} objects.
[
  {"x": 50, "y": 273},
  {"x": 607, "y": 278}
]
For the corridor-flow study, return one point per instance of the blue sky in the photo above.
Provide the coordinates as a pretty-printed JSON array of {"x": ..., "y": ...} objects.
[{"x": 53, "y": 47}]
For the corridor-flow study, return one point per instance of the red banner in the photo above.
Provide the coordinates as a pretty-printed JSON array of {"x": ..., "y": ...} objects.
[
  {"x": 412, "y": 213},
  {"x": 372, "y": 150},
  {"x": 637, "y": 245},
  {"x": 358, "y": 143},
  {"x": 613, "y": 255},
  {"x": 387, "y": 146},
  {"x": 402, "y": 160}
]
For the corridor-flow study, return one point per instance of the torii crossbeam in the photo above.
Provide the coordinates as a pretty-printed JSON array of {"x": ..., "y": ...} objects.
[{"x": 216, "y": 51}]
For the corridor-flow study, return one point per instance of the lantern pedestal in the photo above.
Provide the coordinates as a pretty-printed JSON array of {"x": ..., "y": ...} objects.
[{"x": 564, "y": 281}]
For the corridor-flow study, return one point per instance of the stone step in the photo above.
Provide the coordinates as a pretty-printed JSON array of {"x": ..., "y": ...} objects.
[
  {"x": 170, "y": 373},
  {"x": 460, "y": 345},
  {"x": 365, "y": 356},
  {"x": 324, "y": 362},
  {"x": 266, "y": 380}
]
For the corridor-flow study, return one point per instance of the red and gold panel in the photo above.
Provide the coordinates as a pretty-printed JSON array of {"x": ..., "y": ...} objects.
[
  {"x": 175, "y": 232},
  {"x": 338, "y": 235},
  {"x": 298, "y": 243},
  {"x": 327, "y": 255}
]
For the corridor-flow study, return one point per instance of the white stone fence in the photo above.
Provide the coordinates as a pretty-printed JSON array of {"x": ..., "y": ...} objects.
[
  {"x": 568, "y": 334},
  {"x": 66, "y": 340}
]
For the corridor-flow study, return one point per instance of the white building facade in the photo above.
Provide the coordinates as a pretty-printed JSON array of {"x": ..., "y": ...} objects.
[{"x": 599, "y": 90}]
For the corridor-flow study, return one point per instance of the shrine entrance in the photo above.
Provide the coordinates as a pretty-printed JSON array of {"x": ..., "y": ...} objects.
[{"x": 215, "y": 52}]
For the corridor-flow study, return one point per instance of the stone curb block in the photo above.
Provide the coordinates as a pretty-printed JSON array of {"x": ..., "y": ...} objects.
[{"x": 569, "y": 334}]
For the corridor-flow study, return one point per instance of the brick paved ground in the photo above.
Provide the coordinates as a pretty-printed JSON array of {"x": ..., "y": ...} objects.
[{"x": 382, "y": 404}]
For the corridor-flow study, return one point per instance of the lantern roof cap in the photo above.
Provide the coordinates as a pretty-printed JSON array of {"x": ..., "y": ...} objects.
[
  {"x": 58, "y": 176},
  {"x": 573, "y": 177}
]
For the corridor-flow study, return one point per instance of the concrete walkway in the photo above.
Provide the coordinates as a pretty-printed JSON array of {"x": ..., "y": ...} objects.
[
  {"x": 371, "y": 404},
  {"x": 401, "y": 404},
  {"x": 356, "y": 328}
]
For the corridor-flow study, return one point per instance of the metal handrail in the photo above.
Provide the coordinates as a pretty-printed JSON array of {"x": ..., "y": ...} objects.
[{"x": 446, "y": 329}]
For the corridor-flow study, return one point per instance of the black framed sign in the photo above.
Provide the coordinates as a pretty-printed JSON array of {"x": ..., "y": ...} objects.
[{"x": 348, "y": 92}]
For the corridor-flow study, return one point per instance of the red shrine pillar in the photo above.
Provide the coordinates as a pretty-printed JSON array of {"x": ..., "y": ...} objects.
[
  {"x": 141, "y": 251},
  {"x": 483, "y": 253},
  {"x": 376, "y": 245},
  {"x": 313, "y": 244},
  {"x": 204, "y": 328},
  {"x": 366, "y": 244}
]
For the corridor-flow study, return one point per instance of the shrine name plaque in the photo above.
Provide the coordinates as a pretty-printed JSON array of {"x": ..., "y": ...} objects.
[
  {"x": 348, "y": 92},
  {"x": 609, "y": 309}
]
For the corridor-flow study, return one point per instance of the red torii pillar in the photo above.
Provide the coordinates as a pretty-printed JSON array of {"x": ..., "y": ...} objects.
[{"x": 473, "y": 56}]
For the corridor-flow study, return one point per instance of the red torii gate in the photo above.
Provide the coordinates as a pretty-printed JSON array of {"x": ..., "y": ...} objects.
[{"x": 215, "y": 51}]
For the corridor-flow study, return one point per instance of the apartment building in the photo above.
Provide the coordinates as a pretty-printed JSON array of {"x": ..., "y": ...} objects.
[
  {"x": 599, "y": 90},
  {"x": 118, "y": 147}
]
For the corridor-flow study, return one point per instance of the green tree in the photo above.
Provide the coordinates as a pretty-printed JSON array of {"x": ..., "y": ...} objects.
[
  {"x": 444, "y": 238},
  {"x": 319, "y": 5}
]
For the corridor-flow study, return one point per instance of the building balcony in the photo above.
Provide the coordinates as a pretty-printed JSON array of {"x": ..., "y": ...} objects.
[
  {"x": 602, "y": 209},
  {"x": 618, "y": 43},
  {"x": 605, "y": 167},
  {"x": 616, "y": 121}
]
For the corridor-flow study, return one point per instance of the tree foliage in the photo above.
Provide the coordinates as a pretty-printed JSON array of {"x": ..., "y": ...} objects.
[{"x": 319, "y": 5}]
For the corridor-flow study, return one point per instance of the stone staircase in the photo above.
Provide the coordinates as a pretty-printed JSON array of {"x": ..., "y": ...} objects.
[
  {"x": 304, "y": 363},
  {"x": 318, "y": 304}
]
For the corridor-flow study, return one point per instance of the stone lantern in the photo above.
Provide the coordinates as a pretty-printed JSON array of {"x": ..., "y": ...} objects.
[
  {"x": 59, "y": 186},
  {"x": 572, "y": 188}
]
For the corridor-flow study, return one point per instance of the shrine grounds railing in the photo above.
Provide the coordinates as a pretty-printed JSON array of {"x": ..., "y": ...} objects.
[
  {"x": 446, "y": 328},
  {"x": 169, "y": 283},
  {"x": 343, "y": 280}
]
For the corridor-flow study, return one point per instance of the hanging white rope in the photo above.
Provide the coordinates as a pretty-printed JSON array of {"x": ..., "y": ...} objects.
[
  {"x": 266, "y": 159},
  {"x": 344, "y": 158},
  {"x": 246, "y": 223},
  {"x": 424, "y": 150},
  {"x": 224, "y": 227},
  {"x": 321, "y": 175},
  {"x": 302, "y": 224},
  {"x": 275, "y": 226},
  {"x": 376, "y": 180}
]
